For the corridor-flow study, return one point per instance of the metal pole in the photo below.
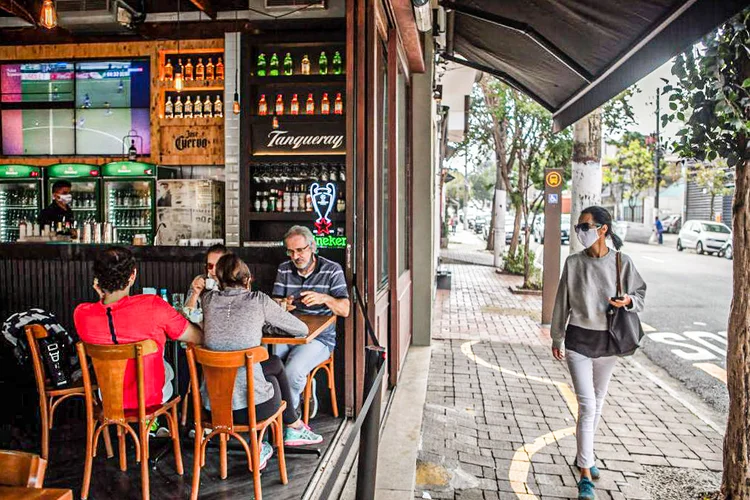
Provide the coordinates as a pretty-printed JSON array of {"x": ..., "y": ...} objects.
[{"x": 369, "y": 439}]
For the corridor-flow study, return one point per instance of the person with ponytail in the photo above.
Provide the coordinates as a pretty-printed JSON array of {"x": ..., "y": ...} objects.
[{"x": 579, "y": 327}]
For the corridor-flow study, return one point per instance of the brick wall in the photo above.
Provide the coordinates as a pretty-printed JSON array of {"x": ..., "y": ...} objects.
[{"x": 231, "y": 144}]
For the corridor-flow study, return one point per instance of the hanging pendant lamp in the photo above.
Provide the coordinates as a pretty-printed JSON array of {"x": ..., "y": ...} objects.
[{"x": 48, "y": 15}]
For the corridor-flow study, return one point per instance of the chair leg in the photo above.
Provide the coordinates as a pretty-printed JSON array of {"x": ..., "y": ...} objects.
[
  {"x": 255, "y": 459},
  {"x": 89, "y": 459},
  {"x": 145, "y": 492},
  {"x": 44, "y": 413},
  {"x": 123, "y": 452},
  {"x": 306, "y": 400},
  {"x": 197, "y": 463},
  {"x": 184, "y": 411},
  {"x": 278, "y": 427},
  {"x": 108, "y": 443},
  {"x": 332, "y": 387},
  {"x": 223, "y": 455},
  {"x": 174, "y": 431}
]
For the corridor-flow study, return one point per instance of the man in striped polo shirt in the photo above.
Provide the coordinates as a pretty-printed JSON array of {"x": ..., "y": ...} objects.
[{"x": 309, "y": 284}]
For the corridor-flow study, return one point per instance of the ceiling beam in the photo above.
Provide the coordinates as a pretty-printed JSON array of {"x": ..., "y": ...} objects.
[
  {"x": 206, "y": 7},
  {"x": 16, "y": 8}
]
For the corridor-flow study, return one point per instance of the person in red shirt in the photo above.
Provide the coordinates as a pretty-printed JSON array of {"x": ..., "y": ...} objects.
[{"x": 119, "y": 318}]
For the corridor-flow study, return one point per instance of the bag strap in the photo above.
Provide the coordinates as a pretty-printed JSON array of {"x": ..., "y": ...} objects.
[
  {"x": 363, "y": 309},
  {"x": 618, "y": 264}
]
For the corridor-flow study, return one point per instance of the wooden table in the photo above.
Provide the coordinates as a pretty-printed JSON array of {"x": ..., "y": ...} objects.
[
  {"x": 19, "y": 493},
  {"x": 316, "y": 325}
]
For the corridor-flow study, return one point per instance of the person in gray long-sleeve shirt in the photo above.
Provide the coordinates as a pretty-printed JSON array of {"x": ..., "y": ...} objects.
[
  {"x": 233, "y": 319},
  {"x": 588, "y": 287}
]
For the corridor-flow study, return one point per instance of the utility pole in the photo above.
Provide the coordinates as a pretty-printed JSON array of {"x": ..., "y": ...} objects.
[
  {"x": 657, "y": 154},
  {"x": 466, "y": 189}
]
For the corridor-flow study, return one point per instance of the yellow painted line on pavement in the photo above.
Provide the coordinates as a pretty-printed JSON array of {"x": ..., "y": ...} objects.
[
  {"x": 521, "y": 462},
  {"x": 713, "y": 370}
]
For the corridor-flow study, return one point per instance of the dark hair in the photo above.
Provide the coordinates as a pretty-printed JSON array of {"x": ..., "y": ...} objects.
[
  {"x": 232, "y": 272},
  {"x": 602, "y": 216},
  {"x": 62, "y": 183},
  {"x": 113, "y": 268},
  {"x": 217, "y": 248}
]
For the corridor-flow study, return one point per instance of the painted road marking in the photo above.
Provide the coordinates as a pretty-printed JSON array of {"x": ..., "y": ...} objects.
[
  {"x": 647, "y": 328},
  {"x": 698, "y": 323},
  {"x": 659, "y": 261},
  {"x": 521, "y": 462},
  {"x": 713, "y": 370}
]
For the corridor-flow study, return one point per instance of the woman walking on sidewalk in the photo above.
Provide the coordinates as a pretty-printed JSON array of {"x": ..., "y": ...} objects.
[{"x": 587, "y": 289}]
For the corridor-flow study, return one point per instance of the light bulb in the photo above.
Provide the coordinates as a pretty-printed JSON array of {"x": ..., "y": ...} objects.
[
  {"x": 178, "y": 84},
  {"x": 236, "y": 104},
  {"x": 48, "y": 16}
]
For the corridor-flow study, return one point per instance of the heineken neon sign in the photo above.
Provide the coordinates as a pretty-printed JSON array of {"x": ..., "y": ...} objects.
[{"x": 330, "y": 241}]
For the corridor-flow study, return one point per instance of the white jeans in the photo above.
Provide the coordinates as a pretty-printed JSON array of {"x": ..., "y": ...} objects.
[{"x": 590, "y": 381}]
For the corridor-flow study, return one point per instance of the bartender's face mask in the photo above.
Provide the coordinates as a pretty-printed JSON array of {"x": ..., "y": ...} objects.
[{"x": 63, "y": 196}]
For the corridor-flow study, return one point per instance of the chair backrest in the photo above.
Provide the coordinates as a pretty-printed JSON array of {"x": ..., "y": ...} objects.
[
  {"x": 18, "y": 468},
  {"x": 34, "y": 333},
  {"x": 219, "y": 373},
  {"x": 110, "y": 362}
]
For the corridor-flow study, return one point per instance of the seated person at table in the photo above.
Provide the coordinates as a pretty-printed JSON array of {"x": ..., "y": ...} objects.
[
  {"x": 207, "y": 280},
  {"x": 119, "y": 318},
  {"x": 309, "y": 284},
  {"x": 233, "y": 319}
]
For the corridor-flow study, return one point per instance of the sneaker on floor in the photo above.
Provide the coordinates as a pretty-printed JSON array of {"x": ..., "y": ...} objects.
[
  {"x": 266, "y": 452},
  {"x": 594, "y": 470},
  {"x": 314, "y": 404},
  {"x": 586, "y": 489},
  {"x": 300, "y": 437}
]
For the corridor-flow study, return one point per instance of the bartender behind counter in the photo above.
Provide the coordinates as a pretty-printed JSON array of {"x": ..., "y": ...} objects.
[{"x": 59, "y": 210}]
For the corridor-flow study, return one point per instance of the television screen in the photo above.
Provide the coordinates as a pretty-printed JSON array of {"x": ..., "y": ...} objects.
[
  {"x": 115, "y": 84},
  {"x": 37, "y": 82},
  {"x": 38, "y": 131},
  {"x": 101, "y": 131}
]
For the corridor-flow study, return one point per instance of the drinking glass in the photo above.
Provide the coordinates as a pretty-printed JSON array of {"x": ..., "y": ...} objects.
[{"x": 178, "y": 300}]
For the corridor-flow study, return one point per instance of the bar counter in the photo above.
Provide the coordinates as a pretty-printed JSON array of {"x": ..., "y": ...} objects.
[{"x": 57, "y": 277}]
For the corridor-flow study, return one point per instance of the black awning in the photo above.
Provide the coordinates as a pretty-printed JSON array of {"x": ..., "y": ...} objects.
[{"x": 573, "y": 55}]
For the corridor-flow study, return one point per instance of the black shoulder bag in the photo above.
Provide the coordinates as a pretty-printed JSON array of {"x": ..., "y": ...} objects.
[{"x": 625, "y": 331}]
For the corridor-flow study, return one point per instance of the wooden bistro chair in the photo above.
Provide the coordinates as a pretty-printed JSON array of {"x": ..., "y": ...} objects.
[
  {"x": 219, "y": 372},
  {"x": 109, "y": 363},
  {"x": 49, "y": 397},
  {"x": 326, "y": 365},
  {"x": 22, "y": 469}
]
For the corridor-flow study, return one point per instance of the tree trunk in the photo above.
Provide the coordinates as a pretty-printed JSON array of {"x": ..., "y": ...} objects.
[
  {"x": 587, "y": 169},
  {"x": 516, "y": 231},
  {"x": 736, "y": 479}
]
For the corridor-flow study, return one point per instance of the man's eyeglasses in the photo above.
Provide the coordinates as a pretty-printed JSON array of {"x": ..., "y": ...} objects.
[
  {"x": 585, "y": 226},
  {"x": 210, "y": 266},
  {"x": 300, "y": 251}
]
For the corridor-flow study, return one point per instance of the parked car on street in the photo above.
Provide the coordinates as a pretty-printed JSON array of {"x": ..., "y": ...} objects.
[
  {"x": 479, "y": 224},
  {"x": 727, "y": 250},
  {"x": 703, "y": 236},
  {"x": 538, "y": 229},
  {"x": 672, "y": 224}
]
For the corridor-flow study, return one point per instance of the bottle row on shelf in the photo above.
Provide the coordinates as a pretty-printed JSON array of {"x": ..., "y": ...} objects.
[
  {"x": 199, "y": 72},
  {"x": 137, "y": 218},
  {"x": 83, "y": 201},
  {"x": 279, "y": 107},
  {"x": 289, "y": 67},
  {"x": 19, "y": 197},
  {"x": 289, "y": 199},
  {"x": 10, "y": 219},
  {"x": 126, "y": 198},
  {"x": 194, "y": 109},
  {"x": 281, "y": 173}
]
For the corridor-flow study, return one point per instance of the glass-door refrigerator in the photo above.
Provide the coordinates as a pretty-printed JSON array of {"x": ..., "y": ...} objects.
[
  {"x": 85, "y": 187},
  {"x": 128, "y": 200},
  {"x": 20, "y": 198}
]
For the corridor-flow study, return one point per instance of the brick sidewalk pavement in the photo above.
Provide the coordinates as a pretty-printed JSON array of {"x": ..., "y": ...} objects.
[{"x": 499, "y": 412}]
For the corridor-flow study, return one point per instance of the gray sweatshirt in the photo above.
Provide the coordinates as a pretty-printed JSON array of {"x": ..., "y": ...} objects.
[
  {"x": 586, "y": 285},
  {"x": 233, "y": 320}
]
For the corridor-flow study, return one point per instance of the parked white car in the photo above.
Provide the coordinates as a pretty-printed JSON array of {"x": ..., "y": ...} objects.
[{"x": 703, "y": 236}]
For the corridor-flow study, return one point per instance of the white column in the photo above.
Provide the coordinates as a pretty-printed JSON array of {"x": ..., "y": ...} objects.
[{"x": 586, "y": 187}]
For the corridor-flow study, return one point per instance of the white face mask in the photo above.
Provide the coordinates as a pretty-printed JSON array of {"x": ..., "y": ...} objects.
[
  {"x": 587, "y": 238},
  {"x": 65, "y": 198}
]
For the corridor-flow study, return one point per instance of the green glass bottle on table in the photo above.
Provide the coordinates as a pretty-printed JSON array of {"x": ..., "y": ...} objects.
[
  {"x": 337, "y": 63},
  {"x": 288, "y": 64},
  {"x": 323, "y": 64},
  {"x": 273, "y": 68},
  {"x": 260, "y": 69}
]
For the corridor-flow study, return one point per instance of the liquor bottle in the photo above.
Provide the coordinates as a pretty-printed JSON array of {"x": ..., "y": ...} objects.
[
  {"x": 325, "y": 105},
  {"x": 210, "y": 70},
  {"x": 132, "y": 151},
  {"x": 337, "y": 63},
  {"x": 178, "y": 108},
  {"x": 262, "y": 106},
  {"x": 188, "y": 71},
  {"x": 208, "y": 109},
  {"x": 219, "y": 70},
  {"x": 310, "y": 105},
  {"x": 260, "y": 68},
  {"x": 218, "y": 107},
  {"x": 280, "y": 201},
  {"x": 198, "y": 108},
  {"x": 294, "y": 108},
  {"x": 279, "y": 109},
  {"x": 338, "y": 105},
  {"x": 323, "y": 64},
  {"x": 305, "y": 69},
  {"x": 333, "y": 176},
  {"x": 272, "y": 201},
  {"x": 273, "y": 68},
  {"x": 200, "y": 69},
  {"x": 288, "y": 64},
  {"x": 293, "y": 202},
  {"x": 256, "y": 204},
  {"x": 264, "y": 201},
  {"x": 308, "y": 202},
  {"x": 342, "y": 173},
  {"x": 188, "y": 108},
  {"x": 180, "y": 68},
  {"x": 169, "y": 107},
  {"x": 287, "y": 200},
  {"x": 340, "y": 205},
  {"x": 168, "y": 70}
]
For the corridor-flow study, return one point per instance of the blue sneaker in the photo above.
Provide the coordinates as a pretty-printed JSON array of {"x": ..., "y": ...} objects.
[
  {"x": 595, "y": 474},
  {"x": 301, "y": 437},
  {"x": 586, "y": 489},
  {"x": 266, "y": 452}
]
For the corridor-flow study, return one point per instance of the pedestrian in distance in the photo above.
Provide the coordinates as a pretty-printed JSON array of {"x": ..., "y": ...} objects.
[
  {"x": 659, "y": 228},
  {"x": 579, "y": 328}
]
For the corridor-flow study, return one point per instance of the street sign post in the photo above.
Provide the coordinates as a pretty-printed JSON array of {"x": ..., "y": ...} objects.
[{"x": 553, "y": 184}]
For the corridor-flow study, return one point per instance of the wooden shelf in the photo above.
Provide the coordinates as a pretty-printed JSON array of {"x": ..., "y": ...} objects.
[
  {"x": 298, "y": 118},
  {"x": 263, "y": 81},
  {"x": 186, "y": 122},
  {"x": 293, "y": 216},
  {"x": 194, "y": 86}
]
